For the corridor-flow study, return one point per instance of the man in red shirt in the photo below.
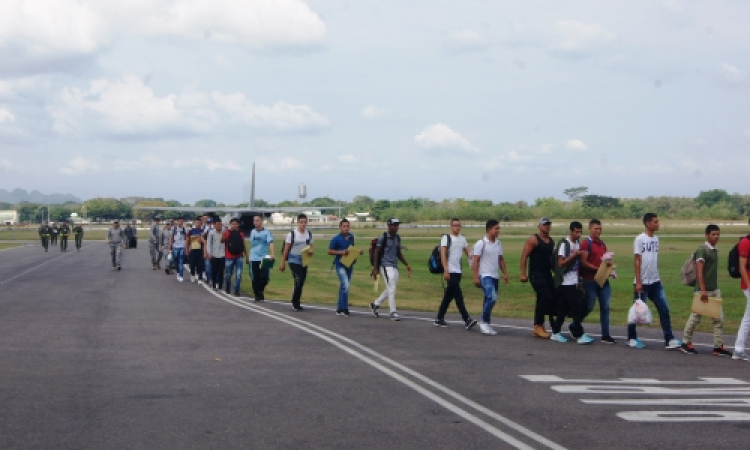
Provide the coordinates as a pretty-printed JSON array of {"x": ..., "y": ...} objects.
[
  {"x": 235, "y": 247},
  {"x": 739, "y": 345},
  {"x": 592, "y": 250}
]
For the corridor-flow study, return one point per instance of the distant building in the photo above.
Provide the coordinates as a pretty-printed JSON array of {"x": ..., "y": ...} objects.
[{"x": 8, "y": 217}]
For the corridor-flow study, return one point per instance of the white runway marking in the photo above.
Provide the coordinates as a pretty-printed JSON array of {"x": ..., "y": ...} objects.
[
  {"x": 705, "y": 381},
  {"x": 685, "y": 416},
  {"x": 339, "y": 340}
]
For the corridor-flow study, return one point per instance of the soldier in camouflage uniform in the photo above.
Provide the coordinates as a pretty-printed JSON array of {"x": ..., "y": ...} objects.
[
  {"x": 64, "y": 232},
  {"x": 78, "y": 233},
  {"x": 44, "y": 232},
  {"x": 154, "y": 243}
]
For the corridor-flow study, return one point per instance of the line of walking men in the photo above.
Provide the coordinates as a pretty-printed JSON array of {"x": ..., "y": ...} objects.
[{"x": 49, "y": 235}]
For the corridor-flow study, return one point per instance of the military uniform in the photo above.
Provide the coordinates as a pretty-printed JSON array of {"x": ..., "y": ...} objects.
[
  {"x": 154, "y": 245},
  {"x": 44, "y": 232},
  {"x": 64, "y": 232},
  {"x": 116, "y": 239},
  {"x": 78, "y": 233},
  {"x": 53, "y": 235}
]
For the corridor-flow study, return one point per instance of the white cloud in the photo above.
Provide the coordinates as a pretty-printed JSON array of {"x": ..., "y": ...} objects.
[
  {"x": 288, "y": 163},
  {"x": 347, "y": 159},
  {"x": 291, "y": 163},
  {"x": 7, "y": 166},
  {"x": 466, "y": 40},
  {"x": 79, "y": 165},
  {"x": 372, "y": 112},
  {"x": 732, "y": 76},
  {"x": 576, "y": 145},
  {"x": 127, "y": 107},
  {"x": 577, "y": 39},
  {"x": 6, "y": 115},
  {"x": 206, "y": 163},
  {"x": 441, "y": 136}
]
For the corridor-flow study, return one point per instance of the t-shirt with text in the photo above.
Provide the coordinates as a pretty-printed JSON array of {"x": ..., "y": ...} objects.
[{"x": 648, "y": 248}]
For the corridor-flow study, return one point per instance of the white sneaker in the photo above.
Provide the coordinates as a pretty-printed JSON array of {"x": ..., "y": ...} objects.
[
  {"x": 179, "y": 278},
  {"x": 558, "y": 337},
  {"x": 485, "y": 328},
  {"x": 192, "y": 279},
  {"x": 673, "y": 344},
  {"x": 584, "y": 340},
  {"x": 200, "y": 282}
]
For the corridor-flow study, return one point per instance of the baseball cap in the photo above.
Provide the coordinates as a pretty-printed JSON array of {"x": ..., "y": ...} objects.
[
  {"x": 544, "y": 221},
  {"x": 210, "y": 220},
  {"x": 393, "y": 221},
  {"x": 116, "y": 221}
]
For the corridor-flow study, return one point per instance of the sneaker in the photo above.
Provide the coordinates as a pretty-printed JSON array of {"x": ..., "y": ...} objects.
[
  {"x": 557, "y": 337},
  {"x": 608, "y": 340},
  {"x": 585, "y": 340},
  {"x": 179, "y": 278},
  {"x": 721, "y": 351},
  {"x": 673, "y": 344},
  {"x": 192, "y": 278},
  {"x": 114, "y": 267},
  {"x": 166, "y": 270},
  {"x": 119, "y": 267},
  {"x": 636, "y": 343},
  {"x": 200, "y": 282},
  {"x": 741, "y": 355},
  {"x": 486, "y": 329},
  {"x": 297, "y": 308},
  {"x": 339, "y": 312},
  {"x": 395, "y": 317},
  {"x": 471, "y": 323},
  {"x": 374, "y": 309},
  {"x": 688, "y": 349},
  {"x": 441, "y": 323},
  {"x": 346, "y": 313}
]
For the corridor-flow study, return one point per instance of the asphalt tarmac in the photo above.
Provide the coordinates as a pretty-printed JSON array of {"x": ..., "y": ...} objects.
[{"x": 99, "y": 359}]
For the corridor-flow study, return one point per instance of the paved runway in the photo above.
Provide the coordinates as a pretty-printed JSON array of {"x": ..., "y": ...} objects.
[{"x": 99, "y": 359}]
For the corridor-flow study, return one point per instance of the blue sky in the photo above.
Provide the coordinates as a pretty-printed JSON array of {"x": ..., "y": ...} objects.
[{"x": 438, "y": 99}]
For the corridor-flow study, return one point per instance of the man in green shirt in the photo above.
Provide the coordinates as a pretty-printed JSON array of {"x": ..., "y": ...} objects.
[
  {"x": 44, "y": 232},
  {"x": 64, "y": 232},
  {"x": 78, "y": 232},
  {"x": 707, "y": 264}
]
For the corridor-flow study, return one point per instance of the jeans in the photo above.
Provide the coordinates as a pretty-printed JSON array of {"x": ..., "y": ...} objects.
[
  {"x": 655, "y": 293},
  {"x": 232, "y": 265},
  {"x": 208, "y": 269},
  {"x": 299, "y": 273},
  {"x": 217, "y": 272},
  {"x": 178, "y": 258},
  {"x": 453, "y": 291},
  {"x": 197, "y": 263},
  {"x": 260, "y": 279},
  {"x": 545, "y": 298},
  {"x": 490, "y": 288},
  {"x": 390, "y": 276},
  {"x": 604, "y": 294},
  {"x": 345, "y": 278},
  {"x": 739, "y": 345},
  {"x": 116, "y": 252},
  {"x": 571, "y": 303}
]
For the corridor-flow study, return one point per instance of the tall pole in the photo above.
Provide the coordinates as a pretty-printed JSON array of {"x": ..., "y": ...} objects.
[{"x": 252, "y": 189}]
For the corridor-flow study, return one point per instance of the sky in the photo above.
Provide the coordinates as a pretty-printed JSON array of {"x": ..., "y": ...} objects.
[{"x": 503, "y": 101}]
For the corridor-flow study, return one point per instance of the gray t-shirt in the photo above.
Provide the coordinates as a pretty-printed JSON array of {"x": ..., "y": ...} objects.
[
  {"x": 115, "y": 236},
  {"x": 154, "y": 233},
  {"x": 390, "y": 254}
]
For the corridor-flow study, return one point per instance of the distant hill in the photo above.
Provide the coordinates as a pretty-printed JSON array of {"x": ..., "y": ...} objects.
[{"x": 22, "y": 195}]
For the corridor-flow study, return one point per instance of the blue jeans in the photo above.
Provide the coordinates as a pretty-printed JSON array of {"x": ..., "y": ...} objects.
[
  {"x": 233, "y": 265},
  {"x": 345, "y": 277},
  {"x": 178, "y": 258},
  {"x": 490, "y": 287},
  {"x": 604, "y": 294},
  {"x": 207, "y": 266},
  {"x": 655, "y": 293}
]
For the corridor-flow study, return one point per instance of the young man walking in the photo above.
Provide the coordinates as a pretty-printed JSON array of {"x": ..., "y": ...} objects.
[
  {"x": 53, "y": 234},
  {"x": 116, "y": 241},
  {"x": 707, "y": 284},
  {"x": 261, "y": 242},
  {"x": 744, "y": 254},
  {"x": 385, "y": 262},
  {"x": 592, "y": 251},
  {"x": 295, "y": 242},
  {"x": 488, "y": 261},
  {"x": 64, "y": 232},
  {"x": 195, "y": 257},
  {"x": 571, "y": 302},
  {"x": 78, "y": 234},
  {"x": 215, "y": 254},
  {"x": 166, "y": 239},
  {"x": 235, "y": 249},
  {"x": 177, "y": 242},
  {"x": 648, "y": 283},
  {"x": 539, "y": 250},
  {"x": 44, "y": 234},
  {"x": 154, "y": 244},
  {"x": 339, "y": 247},
  {"x": 452, "y": 249}
]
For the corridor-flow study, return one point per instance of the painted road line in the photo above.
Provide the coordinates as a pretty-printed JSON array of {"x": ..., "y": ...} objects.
[
  {"x": 42, "y": 264},
  {"x": 737, "y": 402},
  {"x": 396, "y": 376},
  {"x": 639, "y": 381},
  {"x": 648, "y": 390},
  {"x": 685, "y": 416}
]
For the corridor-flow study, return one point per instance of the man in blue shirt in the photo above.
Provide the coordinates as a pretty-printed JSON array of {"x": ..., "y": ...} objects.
[
  {"x": 340, "y": 247},
  {"x": 261, "y": 241}
]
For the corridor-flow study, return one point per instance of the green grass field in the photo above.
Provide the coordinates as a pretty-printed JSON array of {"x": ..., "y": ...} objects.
[
  {"x": 423, "y": 291},
  {"x": 4, "y": 246}
]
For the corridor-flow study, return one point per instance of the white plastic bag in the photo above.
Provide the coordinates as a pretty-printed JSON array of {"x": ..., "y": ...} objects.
[{"x": 639, "y": 313}]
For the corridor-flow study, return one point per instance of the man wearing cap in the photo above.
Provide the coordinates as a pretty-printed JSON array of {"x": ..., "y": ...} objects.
[
  {"x": 44, "y": 232},
  {"x": 385, "y": 262},
  {"x": 538, "y": 250},
  {"x": 64, "y": 232},
  {"x": 154, "y": 244},
  {"x": 116, "y": 241}
]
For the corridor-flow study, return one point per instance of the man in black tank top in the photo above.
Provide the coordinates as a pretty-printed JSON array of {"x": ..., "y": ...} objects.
[{"x": 538, "y": 250}]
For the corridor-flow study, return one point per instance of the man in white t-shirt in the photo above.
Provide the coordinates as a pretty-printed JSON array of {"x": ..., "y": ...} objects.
[
  {"x": 571, "y": 301},
  {"x": 297, "y": 241},
  {"x": 488, "y": 260},
  {"x": 452, "y": 247},
  {"x": 648, "y": 283}
]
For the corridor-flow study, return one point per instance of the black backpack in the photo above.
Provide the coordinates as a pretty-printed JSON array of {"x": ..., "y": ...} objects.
[
  {"x": 733, "y": 260},
  {"x": 435, "y": 262},
  {"x": 374, "y": 247},
  {"x": 294, "y": 233},
  {"x": 235, "y": 243},
  {"x": 561, "y": 271}
]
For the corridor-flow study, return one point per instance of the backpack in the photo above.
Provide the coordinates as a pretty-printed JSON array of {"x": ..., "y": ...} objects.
[
  {"x": 435, "y": 262},
  {"x": 471, "y": 255},
  {"x": 689, "y": 271},
  {"x": 733, "y": 261},
  {"x": 561, "y": 271},
  {"x": 374, "y": 246},
  {"x": 294, "y": 233},
  {"x": 235, "y": 243}
]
